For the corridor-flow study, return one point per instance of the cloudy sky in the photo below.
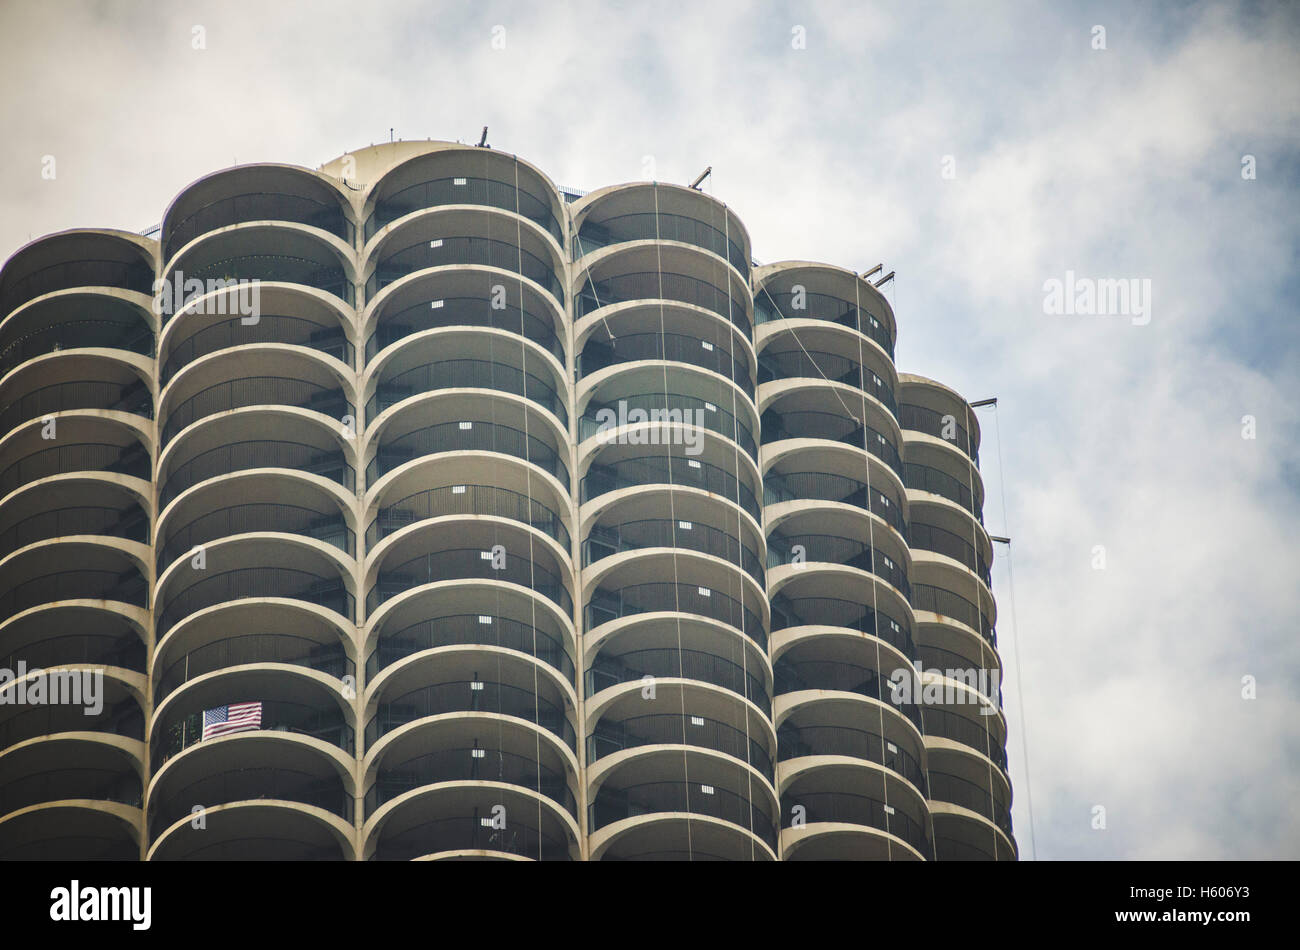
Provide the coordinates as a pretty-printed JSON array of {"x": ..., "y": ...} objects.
[{"x": 1117, "y": 163}]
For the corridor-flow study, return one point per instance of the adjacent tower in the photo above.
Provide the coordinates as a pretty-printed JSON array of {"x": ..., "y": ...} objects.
[{"x": 536, "y": 525}]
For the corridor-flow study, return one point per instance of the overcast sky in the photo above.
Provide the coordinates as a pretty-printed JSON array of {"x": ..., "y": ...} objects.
[{"x": 1122, "y": 162}]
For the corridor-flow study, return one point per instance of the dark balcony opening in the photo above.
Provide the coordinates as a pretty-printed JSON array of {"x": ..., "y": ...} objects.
[
  {"x": 473, "y": 762},
  {"x": 253, "y": 784},
  {"x": 256, "y": 582},
  {"x": 677, "y": 347},
  {"x": 608, "y": 671},
  {"x": 468, "y": 436},
  {"x": 663, "y": 285},
  {"x": 940, "y": 425},
  {"x": 616, "y": 804},
  {"x": 465, "y": 191},
  {"x": 256, "y": 391},
  {"x": 649, "y": 226},
  {"x": 674, "y": 729},
  {"x": 607, "y": 605},
  {"x": 323, "y": 721},
  {"x": 261, "y": 453},
  {"x": 485, "y": 629},
  {"x": 269, "y": 328},
  {"x": 664, "y": 470},
  {"x": 133, "y": 397},
  {"x": 259, "y": 206},
  {"x": 777, "y": 305},
  {"x": 467, "y": 564},
  {"x": 463, "y": 312},
  {"x": 475, "y": 695},
  {"x": 464, "y": 251},
  {"x": 833, "y": 612},
  {"x": 136, "y": 275},
  {"x": 248, "y": 648},
  {"x": 466, "y": 374}
]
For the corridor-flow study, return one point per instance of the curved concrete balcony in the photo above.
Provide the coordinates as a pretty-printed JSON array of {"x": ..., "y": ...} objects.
[
  {"x": 459, "y": 360},
  {"x": 938, "y": 479},
  {"x": 935, "y": 415},
  {"x": 472, "y": 749},
  {"x": 90, "y": 449},
  {"x": 79, "y": 258},
  {"x": 642, "y": 717},
  {"x": 256, "y": 634},
  {"x": 484, "y": 688},
  {"x": 622, "y": 587},
  {"x": 618, "y": 470},
  {"x": 942, "y": 594},
  {"x": 805, "y": 414},
  {"x": 448, "y": 175},
  {"x": 820, "y": 728},
  {"x": 254, "y": 503},
  {"x": 257, "y": 769},
  {"x": 656, "y": 799},
  {"x": 481, "y": 549},
  {"x": 461, "y": 298},
  {"x": 83, "y": 634},
  {"x": 882, "y": 818},
  {"x": 450, "y": 486},
  {"x": 651, "y": 335},
  {"x": 509, "y": 248},
  {"x": 653, "y": 211},
  {"x": 820, "y": 539},
  {"x": 74, "y": 569},
  {"x": 680, "y": 648},
  {"x": 788, "y": 363},
  {"x": 257, "y": 830},
  {"x": 952, "y": 538},
  {"x": 260, "y": 193},
  {"x": 645, "y": 402},
  {"x": 258, "y": 567},
  {"x": 481, "y": 820},
  {"x": 844, "y": 599},
  {"x": 290, "y": 320},
  {"x": 111, "y": 714},
  {"x": 256, "y": 379},
  {"x": 75, "y": 506},
  {"x": 960, "y": 789},
  {"x": 77, "y": 830},
  {"x": 478, "y": 427},
  {"x": 50, "y": 386},
  {"x": 960, "y": 718},
  {"x": 225, "y": 264},
  {"x": 475, "y": 616},
  {"x": 301, "y": 707},
  {"x": 660, "y": 518},
  {"x": 832, "y": 480},
  {"x": 76, "y": 322},
  {"x": 805, "y": 291},
  {"x": 633, "y": 275},
  {"x": 814, "y": 664},
  {"x": 963, "y": 836},
  {"x": 71, "y": 768},
  {"x": 295, "y": 445}
]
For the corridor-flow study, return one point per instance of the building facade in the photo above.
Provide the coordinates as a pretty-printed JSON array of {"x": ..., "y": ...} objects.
[{"x": 516, "y": 524}]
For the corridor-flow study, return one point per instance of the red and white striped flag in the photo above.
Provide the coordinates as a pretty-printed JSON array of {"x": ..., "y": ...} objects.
[{"x": 237, "y": 717}]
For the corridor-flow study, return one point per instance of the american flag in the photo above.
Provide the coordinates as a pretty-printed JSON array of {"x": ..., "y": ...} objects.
[{"x": 236, "y": 717}]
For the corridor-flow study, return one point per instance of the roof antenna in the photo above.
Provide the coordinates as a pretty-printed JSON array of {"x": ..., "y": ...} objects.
[
  {"x": 482, "y": 142},
  {"x": 875, "y": 270},
  {"x": 703, "y": 175},
  {"x": 390, "y": 133}
]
